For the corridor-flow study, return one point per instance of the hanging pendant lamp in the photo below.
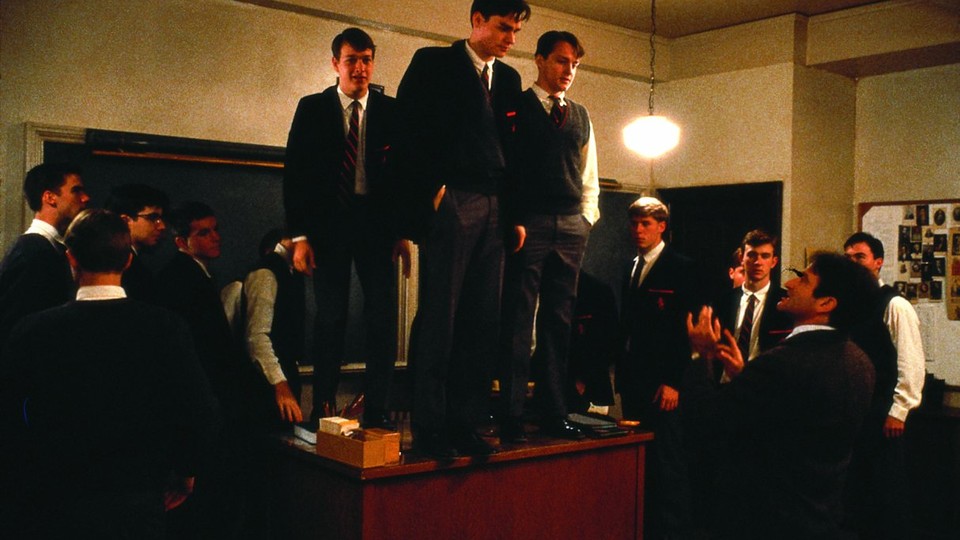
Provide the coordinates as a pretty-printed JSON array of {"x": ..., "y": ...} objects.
[{"x": 653, "y": 135}]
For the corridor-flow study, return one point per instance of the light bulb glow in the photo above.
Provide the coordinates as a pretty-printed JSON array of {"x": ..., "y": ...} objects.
[{"x": 651, "y": 136}]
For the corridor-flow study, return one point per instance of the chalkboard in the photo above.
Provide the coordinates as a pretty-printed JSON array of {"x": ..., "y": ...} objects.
[
  {"x": 610, "y": 247},
  {"x": 247, "y": 200}
]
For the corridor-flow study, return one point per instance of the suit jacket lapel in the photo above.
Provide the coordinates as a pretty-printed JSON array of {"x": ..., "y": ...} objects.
[
  {"x": 371, "y": 134},
  {"x": 734, "y": 308},
  {"x": 654, "y": 275},
  {"x": 467, "y": 71},
  {"x": 334, "y": 112}
]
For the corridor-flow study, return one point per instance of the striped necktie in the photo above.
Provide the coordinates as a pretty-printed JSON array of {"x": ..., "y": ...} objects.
[
  {"x": 558, "y": 113},
  {"x": 348, "y": 170},
  {"x": 746, "y": 328}
]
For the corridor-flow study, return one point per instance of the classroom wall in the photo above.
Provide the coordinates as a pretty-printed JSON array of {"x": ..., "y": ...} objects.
[
  {"x": 233, "y": 71},
  {"x": 908, "y": 135}
]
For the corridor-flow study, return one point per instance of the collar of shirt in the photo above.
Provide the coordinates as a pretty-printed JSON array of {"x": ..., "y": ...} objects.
[
  {"x": 46, "y": 230},
  {"x": 809, "y": 328},
  {"x": 100, "y": 292},
  {"x": 198, "y": 261},
  {"x": 761, "y": 294},
  {"x": 346, "y": 100},
  {"x": 545, "y": 100},
  {"x": 648, "y": 259},
  {"x": 651, "y": 256},
  {"x": 478, "y": 63}
]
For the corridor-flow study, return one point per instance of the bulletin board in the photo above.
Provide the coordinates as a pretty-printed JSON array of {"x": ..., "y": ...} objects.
[{"x": 921, "y": 241}]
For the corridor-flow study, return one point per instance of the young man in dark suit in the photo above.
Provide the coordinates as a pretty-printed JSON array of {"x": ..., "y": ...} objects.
[
  {"x": 339, "y": 204},
  {"x": 790, "y": 417},
  {"x": 659, "y": 295},
  {"x": 142, "y": 207},
  {"x": 105, "y": 408},
  {"x": 756, "y": 301},
  {"x": 455, "y": 104},
  {"x": 189, "y": 290},
  {"x": 35, "y": 275},
  {"x": 551, "y": 200}
]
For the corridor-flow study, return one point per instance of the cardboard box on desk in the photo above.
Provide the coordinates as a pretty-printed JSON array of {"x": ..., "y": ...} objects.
[
  {"x": 391, "y": 444},
  {"x": 372, "y": 448}
]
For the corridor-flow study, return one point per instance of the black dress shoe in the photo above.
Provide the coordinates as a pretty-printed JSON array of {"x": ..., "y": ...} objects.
[
  {"x": 434, "y": 444},
  {"x": 512, "y": 431},
  {"x": 468, "y": 443},
  {"x": 377, "y": 420},
  {"x": 561, "y": 429}
]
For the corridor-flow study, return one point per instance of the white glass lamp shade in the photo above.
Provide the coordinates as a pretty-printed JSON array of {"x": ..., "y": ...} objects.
[{"x": 651, "y": 136}]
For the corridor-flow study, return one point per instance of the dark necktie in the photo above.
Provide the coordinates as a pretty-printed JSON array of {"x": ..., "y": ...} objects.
[
  {"x": 348, "y": 171},
  {"x": 558, "y": 113},
  {"x": 746, "y": 327},
  {"x": 635, "y": 282},
  {"x": 485, "y": 79}
]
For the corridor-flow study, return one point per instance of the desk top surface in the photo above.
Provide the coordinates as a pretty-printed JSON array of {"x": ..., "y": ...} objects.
[{"x": 413, "y": 463}]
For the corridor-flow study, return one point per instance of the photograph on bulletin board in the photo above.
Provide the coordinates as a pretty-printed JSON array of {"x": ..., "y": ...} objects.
[{"x": 923, "y": 251}]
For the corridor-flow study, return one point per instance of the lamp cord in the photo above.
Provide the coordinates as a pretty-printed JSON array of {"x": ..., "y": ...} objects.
[{"x": 653, "y": 50}]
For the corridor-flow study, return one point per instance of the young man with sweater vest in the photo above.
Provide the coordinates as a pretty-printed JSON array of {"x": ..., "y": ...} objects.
[
  {"x": 877, "y": 486},
  {"x": 551, "y": 200}
]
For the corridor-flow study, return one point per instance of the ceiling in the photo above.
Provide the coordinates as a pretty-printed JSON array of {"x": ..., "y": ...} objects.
[{"x": 677, "y": 18}]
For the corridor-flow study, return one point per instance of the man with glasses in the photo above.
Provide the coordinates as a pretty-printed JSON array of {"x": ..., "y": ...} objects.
[{"x": 141, "y": 207}]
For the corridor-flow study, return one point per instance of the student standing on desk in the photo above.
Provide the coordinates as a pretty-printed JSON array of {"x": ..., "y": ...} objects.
[
  {"x": 339, "y": 206},
  {"x": 551, "y": 199},
  {"x": 455, "y": 104}
]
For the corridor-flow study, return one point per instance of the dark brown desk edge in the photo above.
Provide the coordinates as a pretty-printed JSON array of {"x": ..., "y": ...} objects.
[{"x": 413, "y": 464}]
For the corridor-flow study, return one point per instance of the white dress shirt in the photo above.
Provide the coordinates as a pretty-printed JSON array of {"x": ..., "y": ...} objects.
[
  {"x": 649, "y": 259},
  {"x": 47, "y": 231},
  {"x": 100, "y": 292},
  {"x": 904, "y": 325},
  {"x": 478, "y": 64},
  {"x": 260, "y": 290}
]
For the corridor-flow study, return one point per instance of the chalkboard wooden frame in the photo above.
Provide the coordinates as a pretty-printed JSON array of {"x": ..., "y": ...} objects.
[{"x": 207, "y": 153}]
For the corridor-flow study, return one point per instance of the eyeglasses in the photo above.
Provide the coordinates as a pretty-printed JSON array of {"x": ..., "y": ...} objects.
[{"x": 155, "y": 217}]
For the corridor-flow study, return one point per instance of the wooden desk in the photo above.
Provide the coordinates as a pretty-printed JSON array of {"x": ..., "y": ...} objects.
[{"x": 543, "y": 489}]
